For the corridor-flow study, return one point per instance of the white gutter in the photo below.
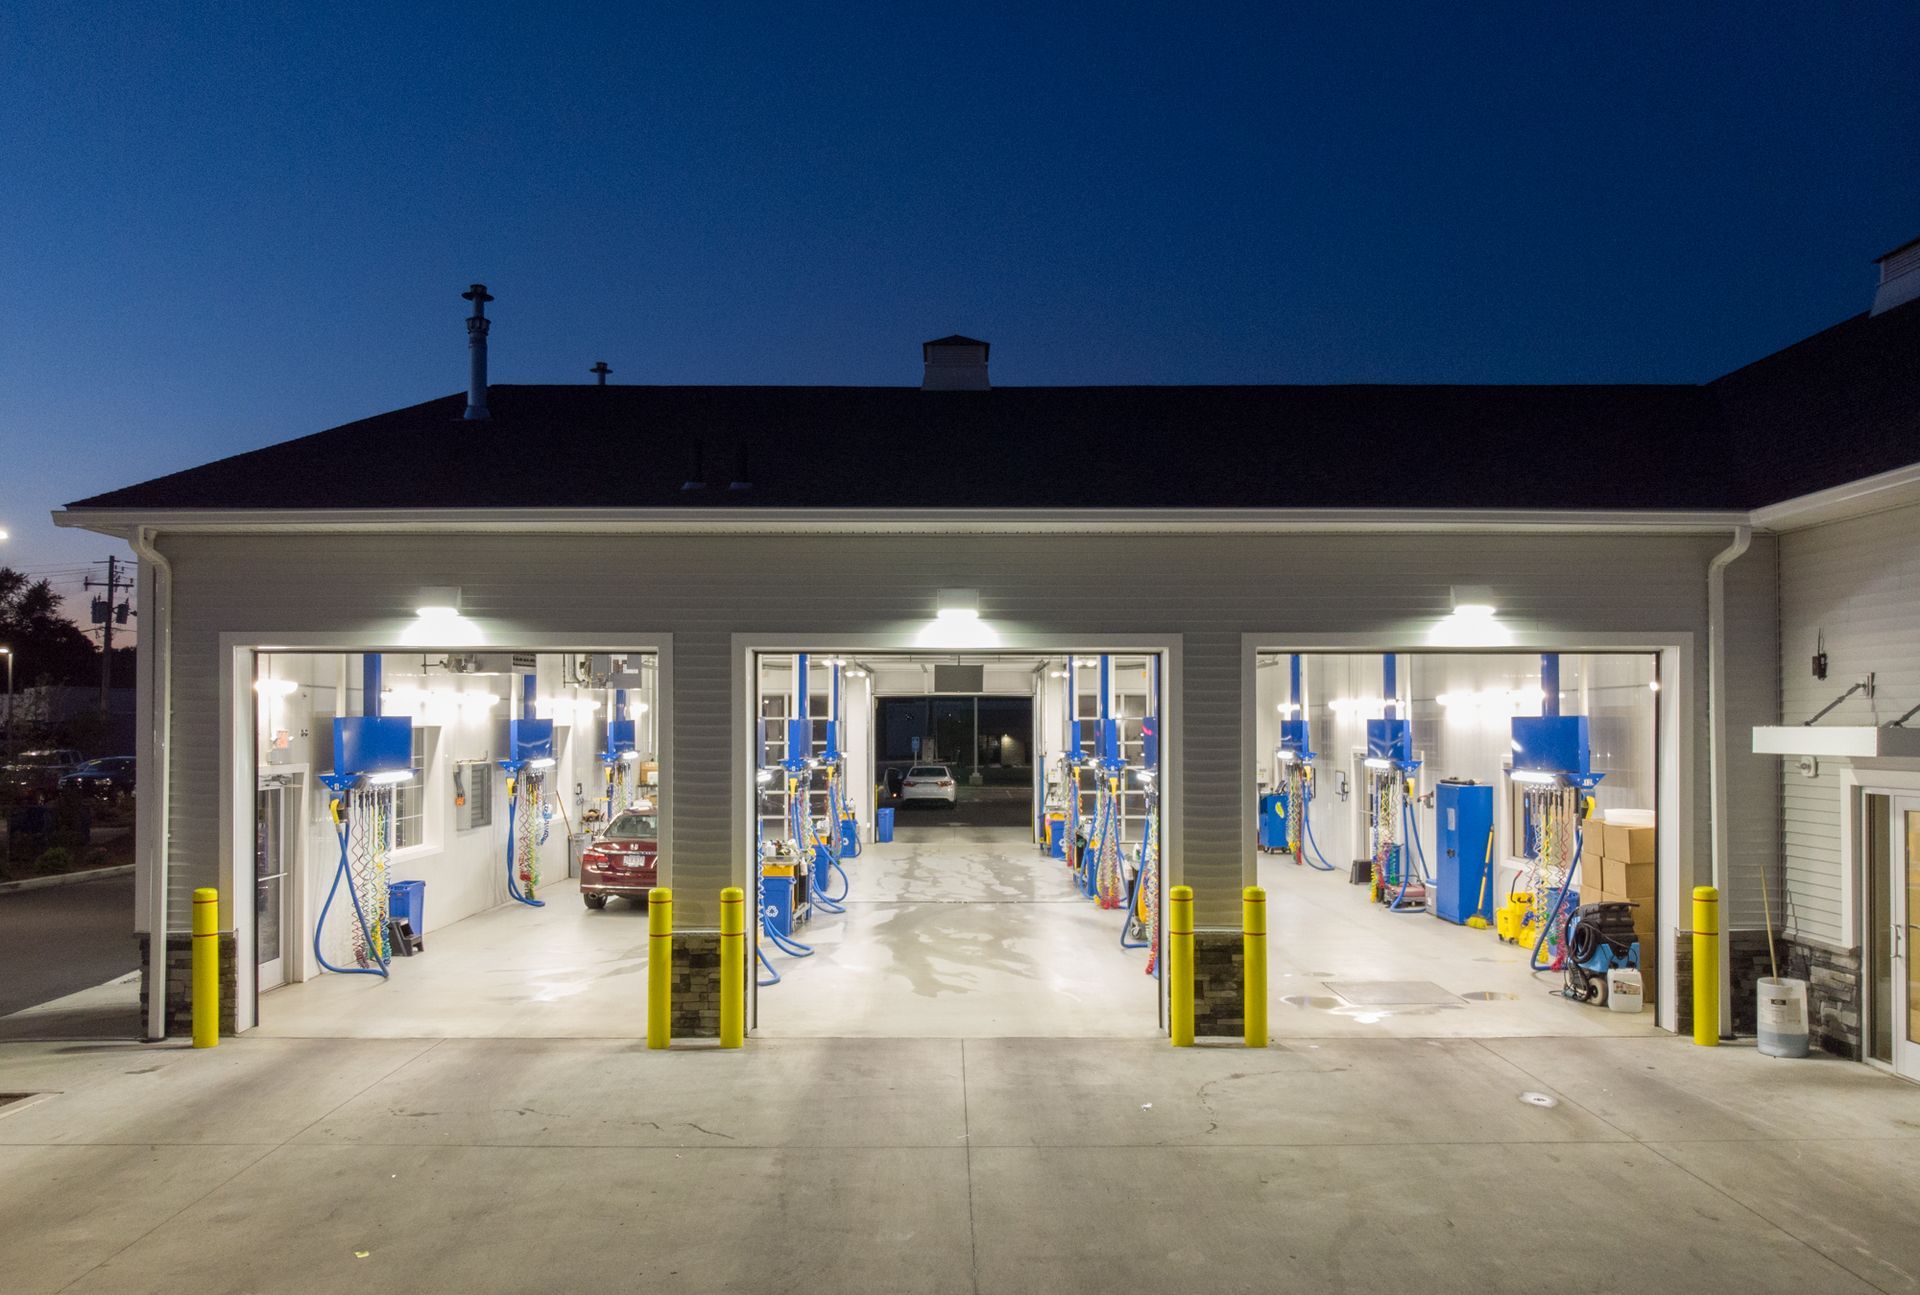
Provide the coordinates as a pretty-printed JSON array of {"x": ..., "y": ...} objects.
[
  {"x": 1717, "y": 745},
  {"x": 747, "y": 520},
  {"x": 1873, "y": 494},
  {"x": 155, "y": 763}
]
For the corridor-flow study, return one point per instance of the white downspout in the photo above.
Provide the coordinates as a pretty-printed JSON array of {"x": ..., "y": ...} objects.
[
  {"x": 1717, "y": 748},
  {"x": 155, "y": 767}
]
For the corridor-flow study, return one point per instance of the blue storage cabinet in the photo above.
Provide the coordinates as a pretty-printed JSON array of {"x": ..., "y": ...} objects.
[
  {"x": 1273, "y": 822},
  {"x": 1463, "y": 861}
]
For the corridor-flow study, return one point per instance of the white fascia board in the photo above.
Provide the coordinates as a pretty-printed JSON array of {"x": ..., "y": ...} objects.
[
  {"x": 881, "y": 521},
  {"x": 1873, "y": 494},
  {"x": 1858, "y": 742}
]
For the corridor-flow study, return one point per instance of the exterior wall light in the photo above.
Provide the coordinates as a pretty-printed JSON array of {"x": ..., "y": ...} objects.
[
  {"x": 438, "y": 601},
  {"x": 1473, "y": 600},
  {"x": 957, "y": 605}
]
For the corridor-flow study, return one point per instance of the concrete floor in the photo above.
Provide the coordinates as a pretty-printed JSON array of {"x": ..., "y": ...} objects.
[
  {"x": 962, "y": 933},
  {"x": 931, "y": 1165},
  {"x": 951, "y": 932},
  {"x": 1323, "y": 929},
  {"x": 559, "y": 971}
]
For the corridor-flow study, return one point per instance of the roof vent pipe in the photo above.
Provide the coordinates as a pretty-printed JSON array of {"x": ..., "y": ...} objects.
[
  {"x": 955, "y": 363},
  {"x": 477, "y": 325},
  {"x": 600, "y": 371}
]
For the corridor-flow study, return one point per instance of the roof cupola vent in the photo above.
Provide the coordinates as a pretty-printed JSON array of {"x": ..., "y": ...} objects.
[
  {"x": 955, "y": 364},
  {"x": 477, "y": 326},
  {"x": 600, "y": 371}
]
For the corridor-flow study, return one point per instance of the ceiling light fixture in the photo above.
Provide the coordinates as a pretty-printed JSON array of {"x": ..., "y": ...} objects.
[{"x": 438, "y": 602}]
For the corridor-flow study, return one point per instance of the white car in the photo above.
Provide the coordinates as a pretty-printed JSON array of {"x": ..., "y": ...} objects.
[{"x": 928, "y": 782}]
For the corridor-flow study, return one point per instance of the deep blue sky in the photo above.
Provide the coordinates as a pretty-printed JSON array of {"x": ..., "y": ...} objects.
[{"x": 222, "y": 227}]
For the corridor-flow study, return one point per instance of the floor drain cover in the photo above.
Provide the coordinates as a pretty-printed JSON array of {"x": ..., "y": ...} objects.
[{"x": 1390, "y": 993}]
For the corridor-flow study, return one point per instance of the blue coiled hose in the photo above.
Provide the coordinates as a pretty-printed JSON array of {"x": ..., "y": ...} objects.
[
  {"x": 1566, "y": 888},
  {"x": 380, "y": 968},
  {"x": 1318, "y": 859},
  {"x": 513, "y": 882}
]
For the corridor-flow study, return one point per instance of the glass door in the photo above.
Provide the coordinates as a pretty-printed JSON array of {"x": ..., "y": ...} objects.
[{"x": 271, "y": 822}]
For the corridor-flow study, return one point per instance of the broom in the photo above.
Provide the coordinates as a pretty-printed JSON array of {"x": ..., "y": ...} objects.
[{"x": 1478, "y": 922}]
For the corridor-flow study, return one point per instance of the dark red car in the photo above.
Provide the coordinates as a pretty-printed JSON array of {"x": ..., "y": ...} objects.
[{"x": 625, "y": 860}]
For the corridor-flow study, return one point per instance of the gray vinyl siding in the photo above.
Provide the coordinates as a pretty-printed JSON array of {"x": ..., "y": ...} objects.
[
  {"x": 1753, "y": 698},
  {"x": 1859, "y": 582},
  {"x": 1204, "y": 591}
]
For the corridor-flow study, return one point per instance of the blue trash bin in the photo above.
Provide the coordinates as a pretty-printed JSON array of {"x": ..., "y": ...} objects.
[
  {"x": 883, "y": 824},
  {"x": 407, "y": 900}
]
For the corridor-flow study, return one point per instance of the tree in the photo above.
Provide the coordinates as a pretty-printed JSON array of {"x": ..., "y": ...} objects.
[{"x": 47, "y": 647}]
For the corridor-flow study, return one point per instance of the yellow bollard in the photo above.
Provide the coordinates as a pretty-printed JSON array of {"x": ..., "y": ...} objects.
[
  {"x": 1253, "y": 943},
  {"x": 733, "y": 967},
  {"x": 1180, "y": 964},
  {"x": 1706, "y": 966},
  {"x": 206, "y": 968},
  {"x": 659, "y": 967}
]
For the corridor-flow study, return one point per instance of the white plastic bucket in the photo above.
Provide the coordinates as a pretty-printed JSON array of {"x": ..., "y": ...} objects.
[{"x": 1783, "y": 1016}]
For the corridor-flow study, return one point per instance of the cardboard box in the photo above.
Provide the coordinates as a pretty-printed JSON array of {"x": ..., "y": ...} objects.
[
  {"x": 1634, "y": 880},
  {"x": 1630, "y": 844}
]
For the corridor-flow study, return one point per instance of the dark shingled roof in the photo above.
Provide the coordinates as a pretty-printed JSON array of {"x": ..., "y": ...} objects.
[{"x": 1839, "y": 406}]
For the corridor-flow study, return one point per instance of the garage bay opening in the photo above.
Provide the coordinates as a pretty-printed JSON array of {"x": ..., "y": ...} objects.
[
  {"x": 957, "y": 844},
  {"x": 453, "y": 843},
  {"x": 1458, "y": 843}
]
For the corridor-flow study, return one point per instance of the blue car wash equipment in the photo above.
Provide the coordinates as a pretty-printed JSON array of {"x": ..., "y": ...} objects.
[
  {"x": 1463, "y": 851},
  {"x": 1600, "y": 940},
  {"x": 528, "y": 742},
  {"x": 1294, "y": 770},
  {"x": 620, "y": 760},
  {"x": 372, "y": 756},
  {"x": 1552, "y": 766},
  {"x": 1141, "y": 927},
  {"x": 1398, "y": 879}
]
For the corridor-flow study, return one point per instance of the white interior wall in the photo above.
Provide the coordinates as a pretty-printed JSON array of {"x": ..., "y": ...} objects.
[{"x": 1460, "y": 739}]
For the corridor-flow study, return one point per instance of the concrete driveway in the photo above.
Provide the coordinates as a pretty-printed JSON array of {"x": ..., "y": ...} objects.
[{"x": 1520, "y": 1165}]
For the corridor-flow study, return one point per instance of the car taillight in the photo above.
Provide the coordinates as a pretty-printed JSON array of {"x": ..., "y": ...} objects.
[
  {"x": 595, "y": 858},
  {"x": 946, "y": 782},
  {"x": 910, "y": 783}
]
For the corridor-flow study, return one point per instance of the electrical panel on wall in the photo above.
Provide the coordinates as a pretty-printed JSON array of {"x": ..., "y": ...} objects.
[{"x": 472, "y": 795}]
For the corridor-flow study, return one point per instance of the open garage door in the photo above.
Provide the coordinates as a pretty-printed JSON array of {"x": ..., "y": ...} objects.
[{"x": 956, "y": 844}]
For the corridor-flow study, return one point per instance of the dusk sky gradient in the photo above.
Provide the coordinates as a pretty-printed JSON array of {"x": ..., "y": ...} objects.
[{"x": 226, "y": 225}]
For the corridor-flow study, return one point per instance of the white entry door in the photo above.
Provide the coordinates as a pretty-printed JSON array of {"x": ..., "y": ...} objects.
[{"x": 1904, "y": 894}]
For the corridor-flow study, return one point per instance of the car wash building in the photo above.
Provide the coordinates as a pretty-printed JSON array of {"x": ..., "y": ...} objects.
[{"x": 958, "y": 680}]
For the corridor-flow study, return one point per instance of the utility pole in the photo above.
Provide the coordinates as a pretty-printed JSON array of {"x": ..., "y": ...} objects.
[{"x": 106, "y": 612}]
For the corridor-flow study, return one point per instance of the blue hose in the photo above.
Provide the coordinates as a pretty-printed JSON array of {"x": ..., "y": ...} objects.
[
  {"x": 773, "y": 977},
  {"x": 1412, "y": 832},
  {"x": 359, "y": 914},
  {"x": 513, "y": 884},
  {"x": 1306, "y": 824},
  {"x": 1566, "y": 888},
  {"x": 1133, "y": 891}
]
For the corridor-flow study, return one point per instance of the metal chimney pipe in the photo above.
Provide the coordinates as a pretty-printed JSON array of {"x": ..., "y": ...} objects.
[{"x": 477, "y": 326}]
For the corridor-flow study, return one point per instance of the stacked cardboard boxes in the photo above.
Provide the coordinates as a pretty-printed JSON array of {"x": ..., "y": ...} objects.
[{"x": 1624, "y": 873}]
